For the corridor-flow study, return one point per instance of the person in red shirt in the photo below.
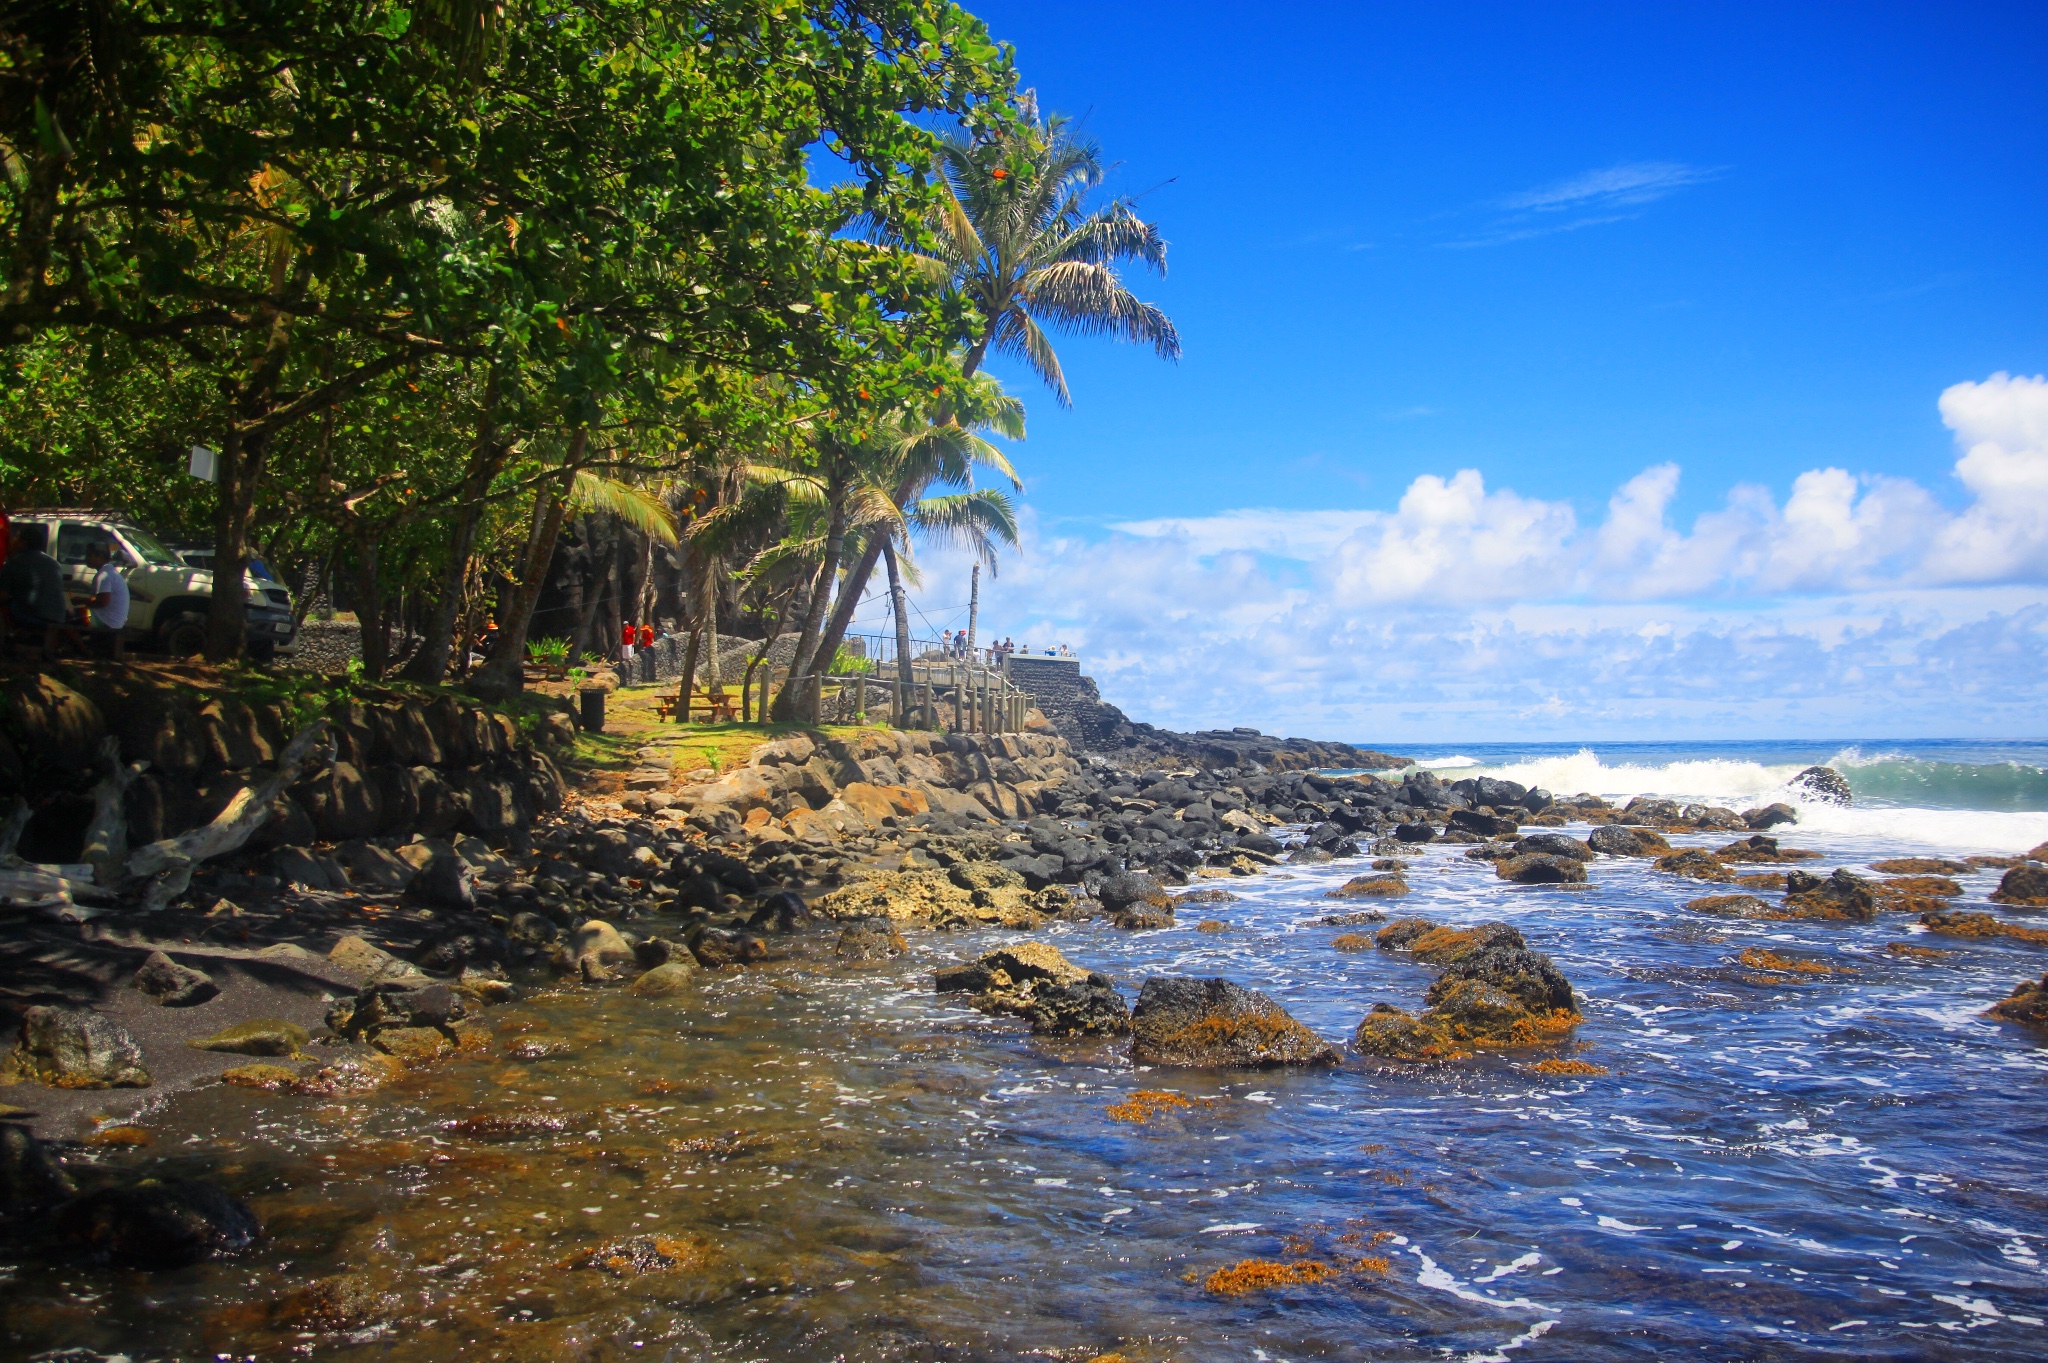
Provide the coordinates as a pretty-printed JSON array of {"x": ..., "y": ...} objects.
[
  {"x": 626, "y": 642},
  {"x": 647, "y": 636}
]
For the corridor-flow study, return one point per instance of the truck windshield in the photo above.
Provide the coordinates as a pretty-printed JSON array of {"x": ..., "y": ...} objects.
[{"x": 149, "y": 549}]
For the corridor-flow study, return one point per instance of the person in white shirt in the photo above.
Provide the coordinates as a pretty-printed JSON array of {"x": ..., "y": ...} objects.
[{"x": 109, "y": 596}]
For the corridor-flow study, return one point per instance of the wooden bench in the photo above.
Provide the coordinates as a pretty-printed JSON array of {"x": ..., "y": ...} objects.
[{"x": 720, "y": 707}]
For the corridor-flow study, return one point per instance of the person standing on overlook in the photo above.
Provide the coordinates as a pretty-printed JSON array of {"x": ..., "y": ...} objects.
[{"x": 109, "y": 604}]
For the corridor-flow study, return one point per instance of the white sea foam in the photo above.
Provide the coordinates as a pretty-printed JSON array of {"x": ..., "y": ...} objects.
[{"x": 1739, "y": 784}]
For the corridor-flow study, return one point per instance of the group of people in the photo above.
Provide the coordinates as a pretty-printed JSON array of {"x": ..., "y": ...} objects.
[
  {"x": 633, "y": 636},
  {"x": 953, "y": 644},
  {"x": 32, "y": 595}
]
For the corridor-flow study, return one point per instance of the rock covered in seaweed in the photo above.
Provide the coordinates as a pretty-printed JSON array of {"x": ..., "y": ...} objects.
[
  {"x": 1541, "y": 868},
  {"x": 1615, "y": 840},
  {"x": 165, "y": 1223},
  {"x": 1034, "y": 981},
  {"x": 2025, "y": 884},
  {"x": 1216, "y": 1024},
  {"x": 1494, "y": 994},
  {"x": 2028, "y": 1004}
]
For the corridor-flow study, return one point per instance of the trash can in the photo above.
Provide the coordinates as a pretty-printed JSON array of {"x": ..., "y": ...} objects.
[{"x": 592, "y": 712}]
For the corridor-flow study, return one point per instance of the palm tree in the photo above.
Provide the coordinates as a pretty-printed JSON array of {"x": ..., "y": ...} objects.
[{"x": 1020, "y": 242}]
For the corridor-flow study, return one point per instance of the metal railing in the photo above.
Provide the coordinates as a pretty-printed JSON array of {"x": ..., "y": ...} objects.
[{"x": 957, "y": 697}]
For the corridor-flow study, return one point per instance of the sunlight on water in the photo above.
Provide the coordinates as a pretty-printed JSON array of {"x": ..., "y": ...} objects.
[{"x": 813, "y": 1161}]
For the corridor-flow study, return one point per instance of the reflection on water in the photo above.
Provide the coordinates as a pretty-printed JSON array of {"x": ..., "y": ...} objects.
[{"x": 810, "y": 1160}]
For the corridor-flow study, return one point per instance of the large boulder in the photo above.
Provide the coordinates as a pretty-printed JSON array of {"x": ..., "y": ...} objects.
[
  {"x": 1379, "y": 885},
  {"x": 1695, "y": 863},
  {"x": 1841, "y": 896},
  {"x": 1553, "y": 845},
  {"x": 2027, "y": 1004},
  {"x": 1216, "y": 1024},
  {"x": 1821, "y": 786},
  {"x": 1760, "y": 847},
  {"x": 74, "y": 1049},
  {"x": 1494, "y": 994},
  {"x": 259, "y": 1036},
  {"x": 31, "y": 1177},
  {"x": 2025, "y": 884},
  {"x": 1769, "y": 816},
  {"x": 158, "y": 1223},
  {"x": 1541, "y": 868},
  {"x": 870, "y": 939},
  {"x": 1615, "y": 840},
  {"x": 1034, "y": 981}
]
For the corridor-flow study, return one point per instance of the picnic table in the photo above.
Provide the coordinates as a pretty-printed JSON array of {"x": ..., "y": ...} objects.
[{"x": 720, "y": 706}]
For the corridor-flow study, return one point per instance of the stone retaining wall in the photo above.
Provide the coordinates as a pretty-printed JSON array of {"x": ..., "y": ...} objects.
[{"x": 403, "y": 764}]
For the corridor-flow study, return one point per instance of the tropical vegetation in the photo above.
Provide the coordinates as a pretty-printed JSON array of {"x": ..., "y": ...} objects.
[{"x": 543, "y": 316}]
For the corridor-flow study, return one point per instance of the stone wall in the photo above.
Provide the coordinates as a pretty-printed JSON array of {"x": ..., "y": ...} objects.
[
  {"x": 878, "y": 772},
  {"x": 403, "y": 764}
]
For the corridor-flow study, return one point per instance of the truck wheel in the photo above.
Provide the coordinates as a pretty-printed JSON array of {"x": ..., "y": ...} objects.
[{"x": 185, "y": 637}]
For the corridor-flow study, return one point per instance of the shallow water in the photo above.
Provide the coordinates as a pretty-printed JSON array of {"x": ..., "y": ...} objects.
[{"x": 845, "y": 1165}]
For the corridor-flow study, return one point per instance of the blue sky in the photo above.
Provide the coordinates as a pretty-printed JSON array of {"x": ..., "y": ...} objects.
[{"x": 1486, "y": 307}]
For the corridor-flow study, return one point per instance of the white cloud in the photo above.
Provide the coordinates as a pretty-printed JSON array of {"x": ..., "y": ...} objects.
[
  {"x": 1635, "y": 182},
  {"x": 1857, "y": 605}
]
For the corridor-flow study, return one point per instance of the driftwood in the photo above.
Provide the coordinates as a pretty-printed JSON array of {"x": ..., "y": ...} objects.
[
  {"x": 168, "y": 864},
  {"x": 106, "y": 838}
]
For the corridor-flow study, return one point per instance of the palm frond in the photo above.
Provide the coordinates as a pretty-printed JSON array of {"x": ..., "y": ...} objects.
[{"x": 635, "y": 506}]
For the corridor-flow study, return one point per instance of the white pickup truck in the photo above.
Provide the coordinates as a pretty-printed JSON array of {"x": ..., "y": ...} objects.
[{"x": 168, "y": 598}]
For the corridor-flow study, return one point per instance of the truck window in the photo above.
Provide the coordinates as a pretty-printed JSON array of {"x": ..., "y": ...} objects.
[
  {"x": 73, "y": 539},
  {"x": 146, "y": 547}
]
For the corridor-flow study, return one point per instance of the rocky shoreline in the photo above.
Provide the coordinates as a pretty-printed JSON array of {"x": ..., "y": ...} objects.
[{"x": 331, "y": 965}]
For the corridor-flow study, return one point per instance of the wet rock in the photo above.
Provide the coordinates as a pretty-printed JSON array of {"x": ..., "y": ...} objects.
[
  {"x": 1922, "y": 866},
  {"x": 783, "y": 911},
  {"x": 1208, "y": 896},
  {"x": 1541, "y": 868},
  {"x": 499, "y": 1127},
  {"x": 73, "y": 1049},
  {"x": 1959, "y": 924},
  {"x": 722, "y": 946},
  {"x": 391, "y": 1005},
  {"x": 871, "y": 939},
  {"x": 637, "y": 1255},
  {"x": 158, "y": 1223},
  {"x": 1695, "y": 863},
  {"x": 1414, "y": 832},
  {"x": 173, "y": 985},
  {"x": 596, "y": 948},
  {"x": 665, "y": 981},
  {"x": 1494, "y": 994},
  {"x": 1647, "y": 809},
  {"x": 1733, "y": 906},
  {"x": 1822, "y": 785},
  {"x": 413, "y": 1045},
  {"x": 31, "y": 1178},
  {"x": 1553, "y": 845},
  {"x": 1346, "y": 920},
  {"x": 654, "y": 952},
  {"x": 2025, "y": 884},
  {"x": 2027, "y": 1004},
  {"x": 1212, "y": 925},
  {"x": 259, "y": 1036},
  {"x": 1760, "y": 848},
  {"x": 1485, "y": 825},
  {"x": 1308, "y": 856},
  {"x": 1614, "y": 840},
  {"x": 1841, "y": 896},
  {"x": 1088, "y": 1007},
  {"x": 530, "y": 929},
  {"x": 267, "y": 1078},
  {"x": 1352, "y": 941},
  {"x": 1377, "y": 886},
  {"x": 328, "y": 1306},
  {"x": 1769, "y": 817},
  {"x": 1214, "y": 1023},
  {"x": 1142, "y": 917},
  {"x": 1131, "y": 889},
  {"x": 372, "y": 964}
]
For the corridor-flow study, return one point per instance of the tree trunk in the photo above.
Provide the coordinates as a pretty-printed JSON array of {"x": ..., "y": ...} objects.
[
  {"x": 487, "y": 456},
  {"x": 375, "y": 633},
  {"x": 901, "y": 609},
  {"x": 712, "y": 681},
  {"x": 689, "y": 679},
  {"x": 805, "y": 660},
  {"x": 973, "y": 608},
  {"x": 504, "y": 676}
]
